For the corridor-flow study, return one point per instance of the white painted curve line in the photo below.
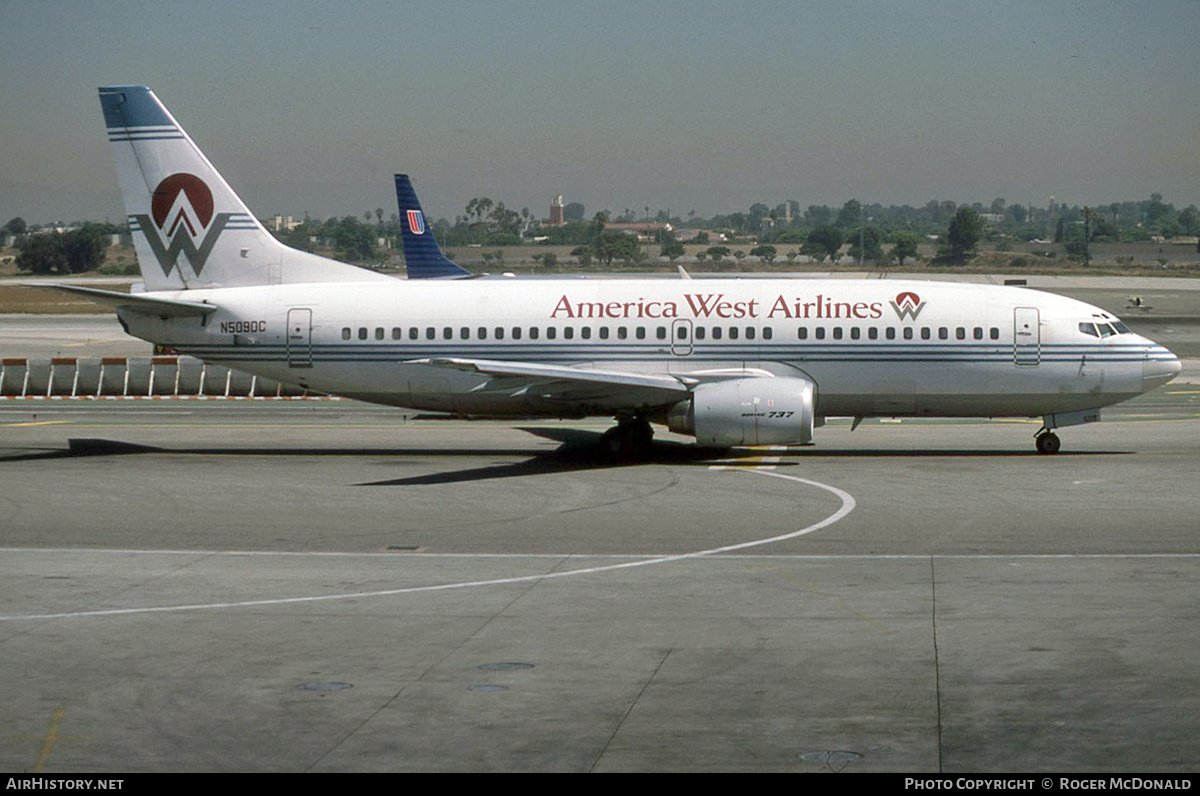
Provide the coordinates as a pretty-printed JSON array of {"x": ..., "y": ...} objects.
[{"x": 848, "y": 505}]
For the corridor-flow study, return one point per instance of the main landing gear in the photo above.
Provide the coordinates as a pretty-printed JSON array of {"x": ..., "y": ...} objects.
[
  {"x": 630, "y": 439},
  {"x": 1047, "y": 441}
]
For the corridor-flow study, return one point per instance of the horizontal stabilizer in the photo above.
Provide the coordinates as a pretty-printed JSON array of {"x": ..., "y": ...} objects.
[{"x": 136, "y": 302}]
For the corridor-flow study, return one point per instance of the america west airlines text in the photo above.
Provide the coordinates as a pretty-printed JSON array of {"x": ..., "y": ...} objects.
[{"x": 716, "y": 305}]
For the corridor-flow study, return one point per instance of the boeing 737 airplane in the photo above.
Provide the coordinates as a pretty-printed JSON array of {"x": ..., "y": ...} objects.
[{"x": 730, "y": 362}]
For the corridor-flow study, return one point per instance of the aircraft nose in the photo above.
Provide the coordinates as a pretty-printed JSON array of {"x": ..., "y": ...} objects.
[{"x": 1160, "y": 369}]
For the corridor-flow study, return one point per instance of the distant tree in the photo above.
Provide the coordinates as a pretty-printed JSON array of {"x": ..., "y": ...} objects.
[
  {"x": 766, "y": 253},
  {"x": 84, "y": 248},
  {"x": 573, "y": 212},
  {"x": 355, "y": 241},
  {"x": 68, "y": 253},
  {"x": 823, "y": 242},
  {"x": 872, "y": 243},
  {"x": 906, "y": 247},
  {"x": 599, "y": 222},
  {"x": 701, "y": 237},
  {"x": 818, "y": 215},
  {"x": 790, "y": 236},
  {"x": 16, "y": 226},
  {"x": 717, "y": 252},
  {"x": 672, "y": 249},
  {"x": 850, "y": 214},
  {"x": 42, "y": 254},
  {"x": 966, "y": 228},
  {"x": 584, "y": 254},
  {"x": 612, "y": 245},
  {"x": 758, "y": 212}
]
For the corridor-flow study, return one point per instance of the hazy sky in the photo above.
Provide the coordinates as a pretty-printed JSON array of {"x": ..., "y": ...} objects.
[{"x": 705, "y": 106}]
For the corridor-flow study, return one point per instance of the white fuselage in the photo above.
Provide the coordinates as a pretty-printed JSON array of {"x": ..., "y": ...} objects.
[{"x": 872, "y": 348}]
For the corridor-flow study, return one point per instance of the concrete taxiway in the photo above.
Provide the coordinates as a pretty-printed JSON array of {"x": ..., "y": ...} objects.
[{"x": 324, "y": 586}]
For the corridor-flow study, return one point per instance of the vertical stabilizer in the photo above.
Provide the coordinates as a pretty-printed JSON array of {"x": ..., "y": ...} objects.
[
  {"x": 423, "y": 257},
  {"x": 189, "y": 228}
]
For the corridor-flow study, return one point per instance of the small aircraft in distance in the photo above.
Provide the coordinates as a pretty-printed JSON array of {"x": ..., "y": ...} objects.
[{"x": 730, "y": 362}]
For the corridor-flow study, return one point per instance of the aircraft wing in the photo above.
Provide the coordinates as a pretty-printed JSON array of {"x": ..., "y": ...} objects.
[
  {"x": 561, "y": 383},
  {"x": 147, "y": 305}
]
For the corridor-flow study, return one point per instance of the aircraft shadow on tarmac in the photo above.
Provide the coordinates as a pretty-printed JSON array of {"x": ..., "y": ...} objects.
[{"x": 580, "y": 450}]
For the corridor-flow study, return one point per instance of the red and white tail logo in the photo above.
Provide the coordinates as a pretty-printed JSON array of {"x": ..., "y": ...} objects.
[
  {"x": 181, "y": 220},
  {"x": 416, "y": 222}
]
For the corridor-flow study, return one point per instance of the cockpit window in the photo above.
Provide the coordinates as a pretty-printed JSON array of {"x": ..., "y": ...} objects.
[
  {"x": 1089, "y": 328},
  {"x": 1121, "y": 328},
  {"x": 1105, "y": 330}
]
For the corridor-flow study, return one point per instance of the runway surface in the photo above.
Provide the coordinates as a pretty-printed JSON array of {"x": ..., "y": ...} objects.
[{"x": 325, "y": 586}]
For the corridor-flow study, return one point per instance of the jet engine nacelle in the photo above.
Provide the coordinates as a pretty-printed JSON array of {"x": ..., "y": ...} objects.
[{"x": 760, "y": 411}]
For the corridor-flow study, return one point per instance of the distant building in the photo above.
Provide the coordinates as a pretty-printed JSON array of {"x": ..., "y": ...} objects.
[
  {"x": 646, "y": 231},
  {"x": 557, "y": 212},
  {"x": 278, "y": 223}
]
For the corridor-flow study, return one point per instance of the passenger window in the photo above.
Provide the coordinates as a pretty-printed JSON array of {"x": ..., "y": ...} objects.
[
  {"x": 622, "y": 333},
  {"x": 768, "y": 333},
  {"x": 447, "y": 333},
  {"x": 925, "y": 333},
  {"x": 413, "y": 333},
  {"x": 586, "y": 333},
  {"x": 855, "y": 332},
  {"x": 345, "y": 332},
  {"x": 749, "y": 332},
  {"x": 569, "y": 332},
  {"x": 551, "y": 332},
  {"x": 604, "y": 332},
  {"x": 819, "y": 332},
  {"x": 465, "y": 333},
  {"x": 641, "y": 333},
  {"x": 908, "y": 333},
  {"x": 700, "y": 332},
  {"x": 960, "y": 333},
  {"x": 661, "y": 333},
  {"x": 499, "y": 332},
  {"x": 994, "y": 333},
  {"x": 837, "y": 333},
  {"x": 362, "y": 333},
  {"x": 430, "y": 333},
  {"x": 716, "y": 332},
  {"x": 378, "y": 332},
  {"x": 978, "y": 332},
  {"x": 802, "y": 333},
  {"x": 943, "y": 333},
  {"x": 516, "y": 333},
  {"x": 873, "y": 333},
  {"x": 733, "y": 333},
  {"x": 533, "y": 333},
  {"x": 890, "y": 333},
  {"x": 482, "y": 331},
  {"x": 397, "y": 333}
]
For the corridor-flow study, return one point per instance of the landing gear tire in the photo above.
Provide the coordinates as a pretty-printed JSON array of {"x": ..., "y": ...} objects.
[
  {"x": 630, "y": 439},
  {"x": 1048, "y": 442}
]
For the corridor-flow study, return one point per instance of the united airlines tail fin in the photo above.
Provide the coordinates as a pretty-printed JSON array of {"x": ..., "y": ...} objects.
[
  {"x": 190, "y": 229},
  {"x": 423, "y": 257}
]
